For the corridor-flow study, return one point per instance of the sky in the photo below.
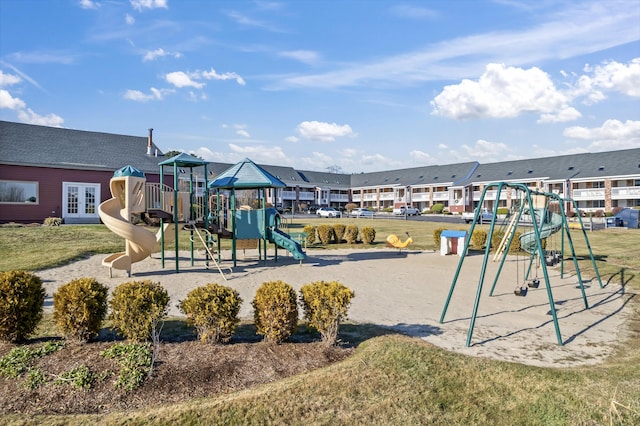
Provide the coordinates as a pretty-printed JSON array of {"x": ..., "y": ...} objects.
[{"x": 345, "y": 86}]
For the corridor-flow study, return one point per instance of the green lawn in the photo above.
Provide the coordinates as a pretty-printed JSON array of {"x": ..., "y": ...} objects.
[{"x": 391, "y": 379}]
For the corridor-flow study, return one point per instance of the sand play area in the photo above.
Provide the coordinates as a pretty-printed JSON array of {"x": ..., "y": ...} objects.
[{"x": 406, "y": 291}]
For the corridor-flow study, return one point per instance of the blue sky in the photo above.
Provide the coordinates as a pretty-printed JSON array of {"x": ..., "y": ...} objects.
[{"x": 350, "y": 85}]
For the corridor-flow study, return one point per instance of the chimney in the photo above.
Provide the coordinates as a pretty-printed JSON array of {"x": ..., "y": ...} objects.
[{"x": 149, "y": 141}]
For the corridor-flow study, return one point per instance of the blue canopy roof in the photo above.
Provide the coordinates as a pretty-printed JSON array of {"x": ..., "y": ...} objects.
[
  {"x": 128, "y": 171},
  {"x": 184, "y": 160},
  {"x": 246, "y": 175}
]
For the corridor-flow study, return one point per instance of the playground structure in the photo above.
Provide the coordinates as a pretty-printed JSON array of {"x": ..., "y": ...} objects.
[
  {"x": 127, "y": 190},
  {"x": 175, "y": 206},
  {"x": 394, "y": 241},
  {"x": 544, "y": 224}
]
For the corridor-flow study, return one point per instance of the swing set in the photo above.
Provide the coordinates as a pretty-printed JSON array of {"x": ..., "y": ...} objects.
[{"x": 531, "y": 208}]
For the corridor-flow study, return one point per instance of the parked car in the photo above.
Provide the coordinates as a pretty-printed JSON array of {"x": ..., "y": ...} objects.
[
  {"x": 327, "y": 212},
  {"x": 409, "y": 211},
  {"x": 359, "y": 212},
  {"x": 312, "y": 209},
  {"x": 486, "y": 215}
]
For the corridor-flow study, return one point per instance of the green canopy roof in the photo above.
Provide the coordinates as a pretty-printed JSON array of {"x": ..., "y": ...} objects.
[
  {"x": 128, "y": 171},
  {"x": 184, "y": 160},
  {"x": 246, "y": 175}
]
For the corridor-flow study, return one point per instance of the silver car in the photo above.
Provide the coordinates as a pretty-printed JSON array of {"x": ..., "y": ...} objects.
[
  {"x": 359, "y": 212},
  {"x": 327, "y": 212}
]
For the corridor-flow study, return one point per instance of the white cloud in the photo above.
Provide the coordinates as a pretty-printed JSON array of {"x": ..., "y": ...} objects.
[
  {"x": 413, "y": 12},
  {"x": 89, "y": 4},
  {"x": 611, "y": 76},
  {"x": 139, "y": 5},
  {"x": 130, "y": 20},
  {"x": 213, "y": 75},
  {"x": 613, "y": 134},
  {"x": 8, "y": 79},
  {"x": 30, "y": 117},
  {"x": 159, "y": 53},
  {"x": 154, "y": 95},
  {"x": 502, "y": 92},
  {"x": 9, "y": 102},
  {"x": 566, "y": 114},
  {"x": 325, "y": 132},
  {"x": 293, "y": 139},
  {"x": 241, "y": 130},
  {"x": 422, "y": 157},
  {"x": 304, "y": 56},
  {"x": 182, "y": 79}
]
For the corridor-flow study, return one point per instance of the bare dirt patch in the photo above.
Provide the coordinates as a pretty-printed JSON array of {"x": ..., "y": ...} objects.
[{"x": 184, "y": 370}]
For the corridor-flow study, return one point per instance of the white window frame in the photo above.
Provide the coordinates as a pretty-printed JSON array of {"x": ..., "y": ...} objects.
[{"x": 81, "y": 214}]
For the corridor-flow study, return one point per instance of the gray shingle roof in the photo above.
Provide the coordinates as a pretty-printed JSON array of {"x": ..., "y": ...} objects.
[{"x": 31, "y": 145}]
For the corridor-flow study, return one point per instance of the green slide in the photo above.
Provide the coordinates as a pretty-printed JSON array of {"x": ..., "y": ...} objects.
[
  {"x": 282, "y": 239},
  {"x": 549, "y": 226}
]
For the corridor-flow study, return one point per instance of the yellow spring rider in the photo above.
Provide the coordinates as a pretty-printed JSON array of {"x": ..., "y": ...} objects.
[{"x": 394, "y": 241}]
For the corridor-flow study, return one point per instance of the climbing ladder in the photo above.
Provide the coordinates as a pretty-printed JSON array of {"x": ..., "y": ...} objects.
[{"x": 207, "y": 243}]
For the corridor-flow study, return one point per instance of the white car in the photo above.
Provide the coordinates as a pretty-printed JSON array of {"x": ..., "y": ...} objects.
[
  {"x": 327, "y": 212},
  {"x": 358, "y": 212}
]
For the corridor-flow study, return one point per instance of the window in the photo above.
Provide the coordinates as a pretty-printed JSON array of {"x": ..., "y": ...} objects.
[{"x": 13, "y": 191}]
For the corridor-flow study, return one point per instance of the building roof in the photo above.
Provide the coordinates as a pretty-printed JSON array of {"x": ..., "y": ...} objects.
[
  {"x": 42, "y": 146},
  {"x": 448, "y": 174}
]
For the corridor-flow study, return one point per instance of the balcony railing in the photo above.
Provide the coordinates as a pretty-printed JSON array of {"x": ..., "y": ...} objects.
[
  {"x": 588, "y": 194},
  {"x": 625, "y": 192}
]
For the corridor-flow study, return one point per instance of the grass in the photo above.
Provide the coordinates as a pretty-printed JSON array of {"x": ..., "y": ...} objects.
[{"x": 391, "y": 379}]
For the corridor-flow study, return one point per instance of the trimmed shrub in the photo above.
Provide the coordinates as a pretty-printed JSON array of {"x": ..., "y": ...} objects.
[
  {"x": 515, "y": 244},
  {"x": 338, "y": 232},
  {"x": 479, "y": 238},
  {"x": 325, "y": 304},
  {"x": 436, "y": 237},
  {"x": 137, "y": 307},
  {"x": 79, "y": 307},
  {"x": 213, "y": 310},
  {"x": 52, "y": 221},
  {"x": 437, "y": 208},
  {"x": 503, "y": 210},
  {"x": 310, "y": 230},
  {"x": 351, "y": 234},
  {"x": 325, "y": 233},
  {"x": 496, "y": 238},
  {"x": 275, "y": 311},
  {"x": 368, "y": 234},
  {"x": 21, "y": 302}
]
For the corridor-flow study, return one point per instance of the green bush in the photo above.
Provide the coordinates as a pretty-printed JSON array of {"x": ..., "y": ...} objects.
[
  {"x": 137, "y": 307},
  {"x": 79, "y": 307},
  {"x": 351, "y": 234},
  {"x": 325, "y": 233},
  {"x": 213, "y": 310},
  {"x": 21, "y": 303},
  {"x": 368, "y": 234},
  {"x": 338, "y": 232},
  {"x": 436, "y": 236},
  {"x": 325, "y": 304},
  {"x": 437, "y": 208},
  {"x": 503, "y": 210},
  {"x": 275, "y": 311},
  {"x": 310, "y": 230},
  {"x": 479, "y": 238}
]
